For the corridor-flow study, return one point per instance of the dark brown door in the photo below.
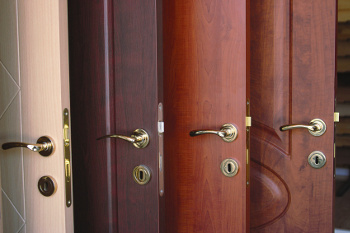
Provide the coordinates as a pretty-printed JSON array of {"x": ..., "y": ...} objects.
[
  {"x": 204, "y": 88},
  {"x": 114, "y": 90},
  {"x": 292, "y": 82}
]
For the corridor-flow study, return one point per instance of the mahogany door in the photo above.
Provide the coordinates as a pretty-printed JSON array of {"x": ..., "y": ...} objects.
[
  {"x": 114, "y": 90},
  {"x": 292, "y": 82},
  {"x": 204, "y": 88}
]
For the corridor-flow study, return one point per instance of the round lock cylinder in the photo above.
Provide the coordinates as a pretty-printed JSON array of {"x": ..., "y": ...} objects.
[
  {"x": 141, "y": 174},
  {"x": 47, "y": 186},
  {"x": 317, "y": 159},
  {"x": 229, "y": 167}
]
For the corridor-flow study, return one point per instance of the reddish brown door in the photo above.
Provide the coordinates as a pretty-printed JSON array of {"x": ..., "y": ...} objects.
[
  {"x": 204, "y": 88},
  {"x": 114, "y": 90},
  {"x": 292, "y": 82}
]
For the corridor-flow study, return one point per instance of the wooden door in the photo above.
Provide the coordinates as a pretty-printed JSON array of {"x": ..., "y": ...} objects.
[
  {"x": 292, "y": 82},
  {"x": 117, "y": 66},
  {"x": 205, "y": 54},
  {"x": 114, "y": 90},
  {"x": 34, "y": 92}
]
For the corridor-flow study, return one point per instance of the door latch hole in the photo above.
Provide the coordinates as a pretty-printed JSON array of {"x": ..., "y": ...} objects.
[
  {"x": 141, "y": 175},
  {"x": 229, "y": 168}
]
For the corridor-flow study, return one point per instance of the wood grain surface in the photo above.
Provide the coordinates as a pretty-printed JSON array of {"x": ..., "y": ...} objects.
[
  {"x": 292, "y": 82},
  {"x": 114, "y": 91},
  {"x": 204, "y": 87},
  {"x": 92, "y": 116},
  {"x": 136, "y": 106}
]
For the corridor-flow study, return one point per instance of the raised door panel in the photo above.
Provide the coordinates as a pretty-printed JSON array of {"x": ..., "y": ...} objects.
[
  {"x": 293, "y": 56},
  {"x": 204, "y": 88}
]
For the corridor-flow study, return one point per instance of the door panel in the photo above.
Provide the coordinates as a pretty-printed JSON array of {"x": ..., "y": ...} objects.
[
  {"x": 204, "y": 88},
  {"x": 136, "y": 105},
  {"x": 34, "y": 74},
  {"x": 292, "y": 82},
  {"x": 8, "y": 45},
  {"x": 92, "y": 104},
  {"x": 114, "y": 89},
  {"x": 13, "y": 209}
]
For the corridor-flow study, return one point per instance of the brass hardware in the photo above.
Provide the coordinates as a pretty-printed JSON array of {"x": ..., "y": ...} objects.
[
  {"x": 248, "y": 121},
  {"x": 317, "y": 159},
  {"x": 248, "y": 125},
  {"x": 44, "y": 145},
  {"x": 336, "y": 117},
  {"x": 229, "y": 167},
  {"x": 161, "y": 149},
  {"x": 139, "y": 138},
  {"x": 228, "y": 132},
  {"x": 317, "y": 127},
  {"x": 67, "y": 164},
  {"x": 47, "y": 186},
  {"x": 141, "y": 174}
]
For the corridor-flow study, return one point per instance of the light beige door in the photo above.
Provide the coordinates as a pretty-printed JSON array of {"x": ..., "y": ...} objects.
[{"x": 34, "y": 91}]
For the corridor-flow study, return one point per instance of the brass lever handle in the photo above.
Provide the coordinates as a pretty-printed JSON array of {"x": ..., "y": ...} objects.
[
  {"x": 44, "y": 145},
  {"x": 228, "y": 132},
  {"x": 139, "y": 138},
  {"x": 317, "y": 127}
]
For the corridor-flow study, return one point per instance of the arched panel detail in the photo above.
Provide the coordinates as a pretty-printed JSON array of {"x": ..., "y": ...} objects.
[{"x": 269, "y": 194}]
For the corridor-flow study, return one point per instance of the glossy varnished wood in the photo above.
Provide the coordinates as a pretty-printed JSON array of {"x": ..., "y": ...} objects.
[
  {"x": 114, "y": 91},
  {"x": 204, "y": 87},
  {"x": 92, "y": 116},
  {"x": 292, "y": 82},
  {"x": 136, "y": 105}
]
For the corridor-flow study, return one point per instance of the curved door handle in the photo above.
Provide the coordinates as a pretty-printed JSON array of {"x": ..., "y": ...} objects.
[
  {"x": 44, "y": 145},
  {"x": 139, "y": 138},
  {"x": 317, "y": 127},
  {"x": 228, "y": 132}
]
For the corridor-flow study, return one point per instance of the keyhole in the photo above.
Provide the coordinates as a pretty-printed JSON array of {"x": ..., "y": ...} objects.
[
  {"x": 141, "y": 175},
  {"x": 229, "y": 168},
  {"x": 45, "y": 188},
  {"x": 316, "y": 160}
]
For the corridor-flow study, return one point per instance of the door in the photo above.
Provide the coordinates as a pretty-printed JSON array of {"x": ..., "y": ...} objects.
[
  {"x": 205, "y": 54},
  {"x": 117, "y": 65},
  {"x": 34, "y": 92},
  {"x": 114, "y": 91},
  {"x": 292, "y": 82}
]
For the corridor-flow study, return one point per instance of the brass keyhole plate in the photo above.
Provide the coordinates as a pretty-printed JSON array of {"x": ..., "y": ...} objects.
[
  {"x": 229, "y": 167},
  {"x": 317, "y": 159},
  {"x": 47, "y": 186},
  {"x": 141, "y": 174}
]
